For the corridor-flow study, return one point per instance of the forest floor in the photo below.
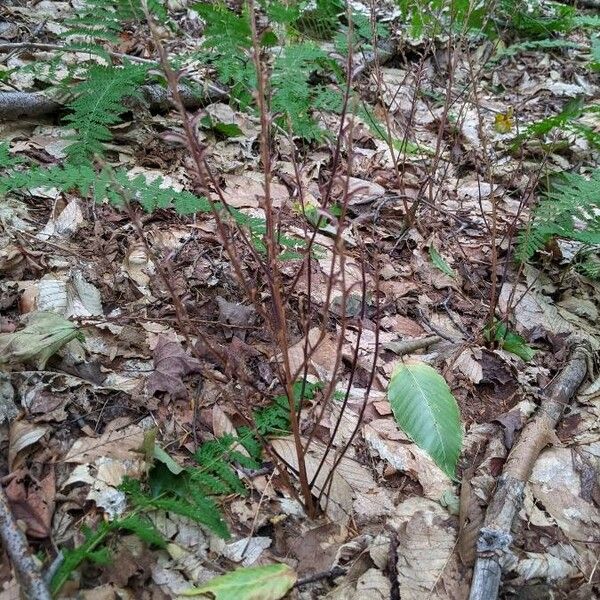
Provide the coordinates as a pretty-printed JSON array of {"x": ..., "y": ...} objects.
[{"x": 393, "y": 524}]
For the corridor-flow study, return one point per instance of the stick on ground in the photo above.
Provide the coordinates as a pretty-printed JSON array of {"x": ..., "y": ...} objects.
[
  {"x": 27, "y": 571},
  {"x": 495, "y": 538}
]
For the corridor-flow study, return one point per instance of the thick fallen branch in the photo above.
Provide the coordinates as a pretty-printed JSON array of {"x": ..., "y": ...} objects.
[
  {"x": 493, "y": 544},
  {"x": 156, "y": 98},
  {"x": 582, "y": 3},
  {"x": 25, "y": 104},
  {"x": 27, "y": 570}
]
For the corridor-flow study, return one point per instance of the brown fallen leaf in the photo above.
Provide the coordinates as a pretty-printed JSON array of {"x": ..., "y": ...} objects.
[
  {"x": 122, "y": 444},
  {"x": 33, "y": 502},
  {"x": 171, "y": 365},
  {"x": 22, "y": 435},
  {"x": 426, "y": 560},
  {"x": 385, "y": 439},
  {"x": 351, "y": 485}
]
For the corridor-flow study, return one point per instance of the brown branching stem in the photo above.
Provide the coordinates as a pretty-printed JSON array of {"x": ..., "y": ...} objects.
[{"x": 273, "y": 270}]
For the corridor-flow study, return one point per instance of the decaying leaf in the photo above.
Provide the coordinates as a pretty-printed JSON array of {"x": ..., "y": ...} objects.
[
  {"x": 270, "y": 582},
  {"x": 122, "y": 444},
  {"x": 349, "y": 482},
  {"x": 389, "y": 443},
  {"x": 44, "y": 334},
  {"x": 426, "y": 540},
  {"x": 171, "y": 364},
  {"x": 23, "y": 435}
]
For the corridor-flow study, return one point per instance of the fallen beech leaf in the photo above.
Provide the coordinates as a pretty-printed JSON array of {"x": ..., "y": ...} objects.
[
  {"x": 33, "y": 503},
  {"x": 426, "y": 541},
  {"x": 350, "y": 485},
  {"x": 44, "y": 334},
  {"x": 270, "y": 582},
  {"x": 171, "y": 364},
  {"x": 22, "y": 435},
  {"x": 122, "y": 444}
]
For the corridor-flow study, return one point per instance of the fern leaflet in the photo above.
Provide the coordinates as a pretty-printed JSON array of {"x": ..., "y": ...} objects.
[
  {"x": 98, "y": 104},
  {"x": 570, "y": 211}
]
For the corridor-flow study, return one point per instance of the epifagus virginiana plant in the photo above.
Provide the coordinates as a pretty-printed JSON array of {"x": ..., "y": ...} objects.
[{"x": 271, "y": 59}]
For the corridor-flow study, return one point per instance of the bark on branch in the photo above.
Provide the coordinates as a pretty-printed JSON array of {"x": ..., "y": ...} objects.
[
  {"x": 495, "y": 538},
  {"x": 34, "y": 104},
  {"x": 27, "y": 570}
]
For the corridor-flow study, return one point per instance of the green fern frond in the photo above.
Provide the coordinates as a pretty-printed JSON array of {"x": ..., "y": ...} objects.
[
  {"x": 215, "y": 459},
  {"x": 151, "y": 195},
  {"x": 7, "y": 160},
  {"x": 92, "y": 549},
  {"x": 98, "y": 105},
  {"x": 293, "y": 95},
  {"x": 535, "y": 45},
  {"x": 250, "y": 443},
  {"x": 590, "y": 266},
  {"x": 586, "y": 21},
  {"x": 275, "y": 418},
  {"x": 320, "y": 20},
  {"x": 197, "y": 507},
  {"x": 143, "y": 528},
  {"x": 568, "y": 211},
  {"x": 67, "y": 178},
  {"x": 224, "y": 28},
  {"x": 104, "y": 20},
  {"x": 530, "y": 242}
]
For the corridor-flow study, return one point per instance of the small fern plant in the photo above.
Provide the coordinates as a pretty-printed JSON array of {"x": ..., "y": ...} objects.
[
  {"x": 570, "y": 211},
  {"x": 190, "y": 492}
]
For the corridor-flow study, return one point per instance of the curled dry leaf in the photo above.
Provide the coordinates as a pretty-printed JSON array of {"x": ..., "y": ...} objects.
[
  {"x": 385, "y": 439},
  {"x": 546, "y": 567},
  {"x": 468, "y": 364},
  {"x": 247, "y": 550},
  {"x": 22, "y": 435},
  {"x": 139, "y": 267},
  {"x": 426, "y": 540},
  {"x": 72, "y": 296},
  {"x": 171, "y": 365},
  {"x": 349, "y": 485},
  {"x": 65, "y": 224}
]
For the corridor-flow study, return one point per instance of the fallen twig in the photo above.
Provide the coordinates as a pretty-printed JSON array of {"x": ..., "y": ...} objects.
[
  {"x": 409, "y": 346},
  {"x": 332, "y": 573},
  {"x": 493, "y": 544},
  {"x": 27, "y": 571}
]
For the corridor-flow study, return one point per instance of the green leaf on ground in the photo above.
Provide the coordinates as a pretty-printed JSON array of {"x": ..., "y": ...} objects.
[
  {"x": 269, "y": 582},
  {"x": 439, "y": 262},
  {"x": 44, "y": 334},
  {"x": 426, "y": 410},
  {"x": 509, "y": 340}
]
